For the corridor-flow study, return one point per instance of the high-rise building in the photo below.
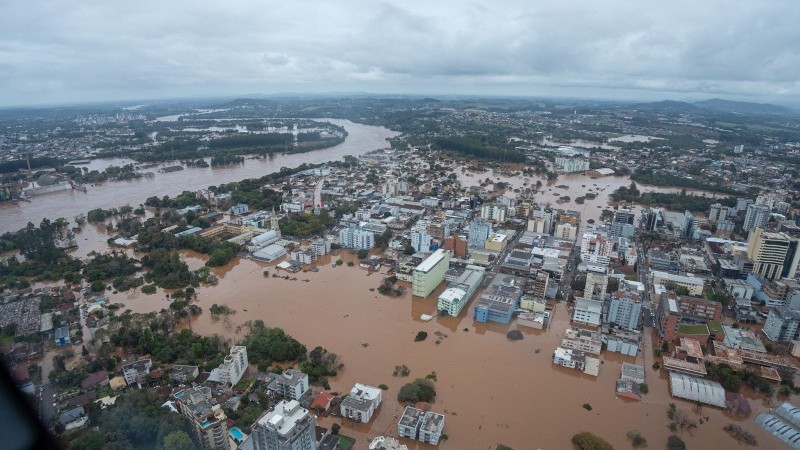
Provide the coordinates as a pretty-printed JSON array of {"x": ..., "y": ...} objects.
[
  {"x": 596, "y": 285},
  {"x": 457, "y": 245},
  {"x": 233, "y": 367},
  {"x": 353, "y": 237},
  {"x": 622, "y": 224},
  {"x": 540, "y": 282},
  {"x": 287, "y": 427},
  {"x": 717, "y": 212},
  {"x": 494, "y": 212},
  {"x": 420, "y": 240},
  {"x": 625, "y": 310},
  {"x": 430, "y": 273},
  {"x": 757, "y": 217},
  {"x": 769, "y": 251},
  {"x": 478, "y": 233},
  {"x": 208, "y": 421},
  {"x": 595, "y": 248},
  {"x": 566, "y": 231}
]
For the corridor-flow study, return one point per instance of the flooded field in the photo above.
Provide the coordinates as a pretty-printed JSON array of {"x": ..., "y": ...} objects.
[{"x": 491, "y": 389}]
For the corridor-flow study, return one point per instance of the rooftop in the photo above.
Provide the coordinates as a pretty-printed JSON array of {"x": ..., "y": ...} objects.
[{"x": 431, "y": 261}]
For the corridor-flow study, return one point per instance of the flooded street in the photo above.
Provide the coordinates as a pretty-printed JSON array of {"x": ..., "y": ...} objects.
[
  {"x": 15, "y": 215},
  {"x": 573, "y": 186},
  {"x": 492, "y": 390}
]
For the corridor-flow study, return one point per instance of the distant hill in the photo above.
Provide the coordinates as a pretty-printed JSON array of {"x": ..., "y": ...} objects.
[
  {"x": 718, "y": 104},
  {"x": 714, "y": 105},
  {"x": 667, "y": 107}
]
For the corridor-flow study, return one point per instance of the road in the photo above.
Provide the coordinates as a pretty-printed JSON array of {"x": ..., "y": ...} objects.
[
  {"x": 318, "y": 193},
  {"x": 46, "y": 410}
]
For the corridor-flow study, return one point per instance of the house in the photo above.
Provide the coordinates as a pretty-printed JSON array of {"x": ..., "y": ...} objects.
[
  {"x": 432, "y": 427},
  {"x": 386, "y": 443},
  {"x": 632, "y": 372},
  {"x": 362, "y": 402},
  {"x": 322, "y": 403},
  {"x": 629, "y": 389},
  {"x": 572, "y": 359},
  {"x": 62, "y": 336},
  {"x": 410, "y": 422},
  {"x": 184, "y": 374},
  {"x": 136, "y": 372},
  {"x": 73, "y": 418},
  {"x": 94, "y": 380},
  {"x": 291, "y": 385}
]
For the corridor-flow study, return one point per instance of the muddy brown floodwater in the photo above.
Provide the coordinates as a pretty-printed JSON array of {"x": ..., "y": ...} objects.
[
  {"x": 577, "y": 185},
  {"x": 492, "y": 390}
]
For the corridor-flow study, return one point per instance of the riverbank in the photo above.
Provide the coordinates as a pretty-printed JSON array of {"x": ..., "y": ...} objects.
[{"x": 361, "y": 139}]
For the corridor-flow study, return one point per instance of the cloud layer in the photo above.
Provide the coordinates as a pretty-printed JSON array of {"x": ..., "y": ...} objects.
[{"x": 52, "y": 51}]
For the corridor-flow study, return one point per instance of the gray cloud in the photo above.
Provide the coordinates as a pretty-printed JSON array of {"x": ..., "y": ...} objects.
[{"x": 53, "y": 51}]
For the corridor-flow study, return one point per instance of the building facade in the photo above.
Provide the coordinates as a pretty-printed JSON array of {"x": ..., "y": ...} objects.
[
  {"x": 625, "y": 310},
  {"x": 288, "y": 426},
  {"x": 361, "y": 404},
  {"x": 355, "y": 238},
  {"x": 427, "y": 276}
]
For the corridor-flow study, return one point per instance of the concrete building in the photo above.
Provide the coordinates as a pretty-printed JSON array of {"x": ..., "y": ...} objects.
[
  {"x": 233, "y": 367},
  {"x": 427, "y": 276},
  {"x": 622, "y": 224},
  {"x": 693, "y": 284},
  {"x": 460, "y": 292},
  {"x": 539, "y": 225},
  {"x": 291, "y": 385},
  {"x": 457, "y": 245},
  {"x": 499, "y": 300},
  {"x": 572, "y": 359},
  {"x": 769, "y": 252},
  {"x": 386, "y": 443},
  {"x": 624, "y": 310},
  {"x": 540, "y": 284},
  {"x": 288, "y": 426},
  {"x": 361, "y": 404},
  {"x": 570, "y": 165},
  {"x": 410, "y": 422},
  {"x": 587, "y": 312},
  {"x": 566, "y": 231},
  {"x": 420, "y": 240},
  {"x": 782, "y": 325},
  {"x": 583, "y": 340},
  {"x": 355, "y": 238},
  {"x": 432, "y": 428},
  {"x": 421, "y": 425},
  {"x": 757, "y": 217},
  {"x": 493, "y": 212},
  {"x": 496, "y": 242},
  {"x": 184, "y": 374},
  {"x": 320, "y": 247},
  {"x": 478, "y": 233},
  {"x": 136, "y": 372},
  {"x": 596, "y": 285},
  {"x": 207, "y": 419},
  {"x": 595, "y": 248}
]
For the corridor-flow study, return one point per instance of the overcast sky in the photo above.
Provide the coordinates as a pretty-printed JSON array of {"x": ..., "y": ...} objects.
[{"x": 57, "y": 51}]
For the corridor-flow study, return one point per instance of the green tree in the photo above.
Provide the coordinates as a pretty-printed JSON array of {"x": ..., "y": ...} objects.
[
  {"x": 178, "y": 440},
  {"x": 675, "y": 443},
  {"x": 589, "y": 441}
]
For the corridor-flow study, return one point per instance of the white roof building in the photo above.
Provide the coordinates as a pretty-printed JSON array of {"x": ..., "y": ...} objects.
[{"x": 697, "y": 389}]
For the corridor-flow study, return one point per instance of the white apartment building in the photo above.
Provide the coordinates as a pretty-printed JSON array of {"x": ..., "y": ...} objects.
[{"x": 362, "y": 402}]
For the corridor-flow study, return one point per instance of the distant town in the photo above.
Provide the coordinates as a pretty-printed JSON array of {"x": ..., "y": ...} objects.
[{"x": 643, "y": 255}]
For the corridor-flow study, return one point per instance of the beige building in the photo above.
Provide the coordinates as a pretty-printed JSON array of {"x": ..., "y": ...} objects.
[
  {"x": 497, "y": 242},
  {"x": 208, "y": 421},
  {"x": 566, "y": 231},
  {"x": 430, "y": 273},
  {"x": 769, "y": 253}
]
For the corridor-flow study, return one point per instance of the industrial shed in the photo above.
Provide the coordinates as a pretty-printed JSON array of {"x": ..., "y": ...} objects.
[{"x": 697, "y": 389}]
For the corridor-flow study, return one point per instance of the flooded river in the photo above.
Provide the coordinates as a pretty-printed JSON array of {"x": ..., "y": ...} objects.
[{"x": 15, "y": 215}]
